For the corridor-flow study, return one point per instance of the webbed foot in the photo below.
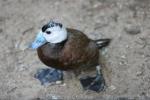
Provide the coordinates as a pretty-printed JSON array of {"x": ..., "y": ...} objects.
[
  {"x": 49, "y": 75},
  {"x": 96, "y": 83}
]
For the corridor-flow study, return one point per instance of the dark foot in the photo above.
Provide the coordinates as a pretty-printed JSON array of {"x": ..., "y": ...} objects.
[
  {"x": 96, "y": 83},
  {"x": 48, "y": 75},
  {"x": 93, "y": 83}
]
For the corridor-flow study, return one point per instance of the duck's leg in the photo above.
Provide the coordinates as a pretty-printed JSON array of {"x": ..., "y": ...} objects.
[
  {"x": 49, "y": 76},
  {"x": 96, "y": 83}
]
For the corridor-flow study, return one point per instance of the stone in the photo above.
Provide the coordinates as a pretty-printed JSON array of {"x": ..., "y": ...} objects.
[{"x": 133, "y": 30}]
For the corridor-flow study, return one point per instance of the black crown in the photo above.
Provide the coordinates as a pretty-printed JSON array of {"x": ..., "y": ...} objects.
[{"x": 51, "y": 24}]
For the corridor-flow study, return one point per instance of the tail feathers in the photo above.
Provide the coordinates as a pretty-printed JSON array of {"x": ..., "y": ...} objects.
[{"x": 102, "y": 42}]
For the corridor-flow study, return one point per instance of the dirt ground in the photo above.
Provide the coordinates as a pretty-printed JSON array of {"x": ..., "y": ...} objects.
[{"x": 127, "y": 70}]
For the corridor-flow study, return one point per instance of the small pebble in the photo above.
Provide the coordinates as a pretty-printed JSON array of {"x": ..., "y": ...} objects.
[
  {"x": 64, "y": 84},
  {"x": 55, "y": 97},
  {"x": 112, "y": 87},
  {"x": 122, "y": 62},
  {"x": 139, "y": 73},
  {"x": 123, "y": 56},
  {"x": 58, "y": 82},
  {"x": 133, "y": 30}
]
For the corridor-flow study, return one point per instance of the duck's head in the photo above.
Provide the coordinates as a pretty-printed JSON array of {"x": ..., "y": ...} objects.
[{"x": 52, "y": 32}]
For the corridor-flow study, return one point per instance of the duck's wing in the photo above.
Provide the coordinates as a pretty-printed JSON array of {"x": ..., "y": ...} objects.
[
  {"x": 78, "y": 49},
  {"x": 77, "y": 38}
]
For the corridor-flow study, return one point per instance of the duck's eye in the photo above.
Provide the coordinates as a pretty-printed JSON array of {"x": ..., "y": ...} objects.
[{"x": 48, "y": 32}]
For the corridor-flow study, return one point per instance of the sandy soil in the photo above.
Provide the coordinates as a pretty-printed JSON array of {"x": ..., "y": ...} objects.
[{"x": 127, "y": 70}]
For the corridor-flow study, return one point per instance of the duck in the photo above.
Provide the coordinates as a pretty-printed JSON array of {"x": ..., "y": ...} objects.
[{"x": 65, "y": 49}]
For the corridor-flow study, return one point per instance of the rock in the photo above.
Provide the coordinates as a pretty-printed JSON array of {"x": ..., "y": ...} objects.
[
  {"x": 64, "y": 84},
  {"x": 54, "y": 97},
  {"x": 140, "y": 73},
  {"x": 133, "y": 30},
  {"x": 123, "y": 56},
  {"x": 112, "y": 87},
  {"x": 58, "y": 82}
]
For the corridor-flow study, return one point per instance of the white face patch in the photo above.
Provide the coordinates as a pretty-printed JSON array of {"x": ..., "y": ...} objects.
[{"x": 56, "y": 34}]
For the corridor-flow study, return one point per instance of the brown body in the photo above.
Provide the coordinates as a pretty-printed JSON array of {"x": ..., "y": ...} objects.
[{"x": 77, "y": 51}]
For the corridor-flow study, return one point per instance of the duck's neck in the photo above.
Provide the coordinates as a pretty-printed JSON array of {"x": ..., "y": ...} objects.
[{"x": 58, "y": 45}]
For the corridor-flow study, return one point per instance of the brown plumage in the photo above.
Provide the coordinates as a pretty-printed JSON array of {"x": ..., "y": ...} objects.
[
  {"x": 68, "y": 49},
  {"x": 77, "y": 51}
]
